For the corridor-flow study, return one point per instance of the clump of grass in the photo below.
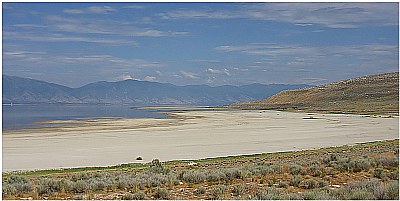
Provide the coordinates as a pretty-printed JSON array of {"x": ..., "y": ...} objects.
[{"x": 316, "y": 195}]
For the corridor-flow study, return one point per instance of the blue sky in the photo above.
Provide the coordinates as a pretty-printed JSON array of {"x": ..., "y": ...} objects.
[{"x": 199, "y": 43}]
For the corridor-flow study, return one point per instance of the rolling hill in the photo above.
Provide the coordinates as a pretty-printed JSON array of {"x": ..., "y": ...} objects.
[
  {"x": 368, "y": 94},
  {"x": 134, "y": 92}
]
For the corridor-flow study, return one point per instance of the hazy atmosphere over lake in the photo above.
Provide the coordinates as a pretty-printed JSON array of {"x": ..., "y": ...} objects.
[{"x": 74, "y": 44}]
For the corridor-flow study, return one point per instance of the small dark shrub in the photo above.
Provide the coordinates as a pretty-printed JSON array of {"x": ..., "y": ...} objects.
[
  {"x": 238, "y": 189},
  {"x": 199, "y": 191},
  {"x": 282, "y": 184},
  {"x": 139, "y": 158},
  {"x": 310, "y": 184},
  {"x": 379, "y": 173}
]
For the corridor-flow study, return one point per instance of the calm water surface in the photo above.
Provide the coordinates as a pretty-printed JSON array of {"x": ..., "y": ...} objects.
[{"x": 27, "y": 116}]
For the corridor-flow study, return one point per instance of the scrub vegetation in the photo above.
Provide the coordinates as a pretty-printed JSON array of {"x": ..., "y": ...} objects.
[{"x": 362, "y": 171}]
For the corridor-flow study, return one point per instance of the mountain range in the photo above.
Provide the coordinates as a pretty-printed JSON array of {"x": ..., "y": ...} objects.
[{"x": 134, "y": 92}]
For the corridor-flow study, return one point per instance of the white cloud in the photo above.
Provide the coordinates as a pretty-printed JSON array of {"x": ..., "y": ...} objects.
[
  {"x": 333, "y": 15},
  {"x": 190, "y": 75},
  {"x": 109, "y": 27},
  {"x": 216, "y": 71},
  {"x": 91, "y": 9},
  {"x": 150, "y": 78},
  {"x": 126, "y": 77}
]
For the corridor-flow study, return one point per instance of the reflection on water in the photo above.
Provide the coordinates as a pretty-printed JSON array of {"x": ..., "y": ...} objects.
[{"x": 25, "y": 116}]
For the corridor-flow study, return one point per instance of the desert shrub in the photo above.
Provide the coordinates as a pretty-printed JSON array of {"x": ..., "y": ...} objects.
[
  {"x": 156, "y": 167},
  {"x": 310, "y": 184},
  {"x": 277, "y": 169},
  {"x": 316, "y": 195},
  {"x": 361, "y": 194},
  {"x": 127, "y": 196},
  {"x": 269, "y": 194},
  {"x": 139, "y": 195},
  {"x": 389, "y": 191},
  {"x": 282, "y": 184},
  {"x": 379, "y": 173},
  {"x": 98, "y": 185},
  {"x": 322, "y": 183},
  {"x": 193, "y": 176},
  {"x": 79, "y": 186},
  {"x": 315, "y": 170},
  {"x": 9, "y": 190},
  {"x": 156, "y": 180},
  {"x": 387, "y": 161},
  {"x": 330, "y": 158},
  {"x": 238, "y": 189},
  {"x": 18, "y": 184},
  {"x": 360, "y": 165},
  {"x": 233, "y": 173},
  {"x": 199, "y": 191},
  {"x": 295, "y": 181},
  {"x": 161, "y": 193},
  {"x": 215, "y": 175},
  {"x": 296, "y": 169},
  {"x": 48, "y": 185},
  {"x": 218, "y": 191},
  {"x": 80, "y": 176},
  {"x": 261, "y": 170},
  {"x": 394, "y": 175}
]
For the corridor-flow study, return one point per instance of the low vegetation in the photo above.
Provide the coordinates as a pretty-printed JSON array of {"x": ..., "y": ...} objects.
[{"x": 363, "y": 171}]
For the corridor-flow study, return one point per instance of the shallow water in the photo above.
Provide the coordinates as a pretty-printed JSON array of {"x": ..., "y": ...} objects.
[{"x": 30, "y": 116}]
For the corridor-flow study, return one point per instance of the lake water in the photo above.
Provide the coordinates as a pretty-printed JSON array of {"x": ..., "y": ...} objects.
[{"x": 27, "y": 116}]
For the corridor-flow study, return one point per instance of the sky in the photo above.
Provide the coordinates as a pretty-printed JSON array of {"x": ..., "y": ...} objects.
[{"x": 74, "y": 44}]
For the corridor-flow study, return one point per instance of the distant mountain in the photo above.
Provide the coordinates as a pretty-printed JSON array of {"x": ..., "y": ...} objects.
[
  {"x": 368, "y": 94},
  {"x": 23, "y": 90}
]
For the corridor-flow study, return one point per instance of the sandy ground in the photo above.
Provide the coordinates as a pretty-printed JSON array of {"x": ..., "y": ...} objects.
[{"x": 193, "y": 135}]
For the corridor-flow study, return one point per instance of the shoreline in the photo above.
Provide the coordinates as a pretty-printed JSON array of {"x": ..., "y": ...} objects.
[{"x": 228, "y": 132}]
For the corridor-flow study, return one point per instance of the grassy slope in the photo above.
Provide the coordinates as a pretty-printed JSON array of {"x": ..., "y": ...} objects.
[{"x": 375, "y": 94}]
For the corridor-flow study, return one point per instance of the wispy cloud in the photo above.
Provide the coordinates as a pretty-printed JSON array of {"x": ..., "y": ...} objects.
[
  {"x": 216, "y": 71},
  {"x": 190, "y": 75},
  {"x": 333, "y": 15},
  {"x": 53, "y": 37},
  {"x": 110, "y": 27},
  {"x": 91, "y": 9}
]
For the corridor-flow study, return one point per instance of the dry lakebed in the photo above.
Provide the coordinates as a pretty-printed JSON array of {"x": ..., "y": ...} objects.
[{"x": 189, "y": 135}]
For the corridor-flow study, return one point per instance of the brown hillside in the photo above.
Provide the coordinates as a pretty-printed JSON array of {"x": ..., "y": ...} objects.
[{"x": 369, "y": 94}]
